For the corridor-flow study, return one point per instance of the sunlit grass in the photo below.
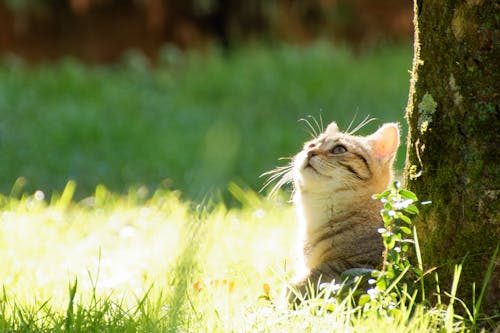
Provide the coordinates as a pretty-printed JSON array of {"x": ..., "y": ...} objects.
[
  {"x": 155, "y": 263},
  {"x": 125, "y": 246}
]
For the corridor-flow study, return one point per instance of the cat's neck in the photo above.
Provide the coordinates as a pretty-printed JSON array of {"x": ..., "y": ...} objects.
[{"x": 315, "y": 209}]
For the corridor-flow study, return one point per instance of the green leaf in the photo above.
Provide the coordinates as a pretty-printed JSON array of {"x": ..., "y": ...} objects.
[
  {"x": 395, "y": 312},
  {"x": 384, "y": 194},
  {"x": 363, "y": 299},
  {"x": 408, "y": 195},
  {"x": 389, "y": 243},
  {"x": 411, "y": 209},
  {"x": 404, "y": 218},
  {"x": 381, "y": 284},
  {"x": 386, "y": 217},
  {"x": 406, "y": 230}
]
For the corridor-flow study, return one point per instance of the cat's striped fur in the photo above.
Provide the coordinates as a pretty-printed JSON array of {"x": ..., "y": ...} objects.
[{"x": 334, "y": 177}]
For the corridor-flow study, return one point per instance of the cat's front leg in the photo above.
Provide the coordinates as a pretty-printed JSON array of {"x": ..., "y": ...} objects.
[{"x": 308, "y": 286}]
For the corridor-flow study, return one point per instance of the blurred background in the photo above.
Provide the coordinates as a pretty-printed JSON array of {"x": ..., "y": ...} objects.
[{"x": 188, "y": 95}]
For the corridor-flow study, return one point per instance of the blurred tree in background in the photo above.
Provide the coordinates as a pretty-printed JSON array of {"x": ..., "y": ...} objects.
[{"x": 100, "y": 30}]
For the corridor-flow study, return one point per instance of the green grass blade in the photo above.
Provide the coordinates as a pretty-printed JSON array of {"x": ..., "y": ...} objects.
[
  {"x": 70, "y": 310},
  {"x": 419, "y": 262},
  {"x": 487, "y": 277}
]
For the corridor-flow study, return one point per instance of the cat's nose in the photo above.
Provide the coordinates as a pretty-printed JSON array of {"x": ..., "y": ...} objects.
[{"x": 313, "y": 152}]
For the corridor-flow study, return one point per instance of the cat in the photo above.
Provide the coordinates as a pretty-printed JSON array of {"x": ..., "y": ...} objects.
[{"x": 334, "y": 178}]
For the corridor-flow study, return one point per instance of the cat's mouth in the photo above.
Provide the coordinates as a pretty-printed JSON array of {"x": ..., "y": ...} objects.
[{"x": 308, "y": 165}]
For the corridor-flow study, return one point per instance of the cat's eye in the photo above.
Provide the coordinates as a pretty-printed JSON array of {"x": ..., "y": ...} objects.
[{"x": 338, "y": 149}]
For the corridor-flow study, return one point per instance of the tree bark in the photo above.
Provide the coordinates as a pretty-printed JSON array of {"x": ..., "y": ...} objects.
[{"x": 453, "y": 156}]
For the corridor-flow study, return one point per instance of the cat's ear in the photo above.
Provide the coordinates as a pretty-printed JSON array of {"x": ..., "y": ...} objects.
[
  {"x": 332, "y": 128},
  {"x": 385, "y": 141}
]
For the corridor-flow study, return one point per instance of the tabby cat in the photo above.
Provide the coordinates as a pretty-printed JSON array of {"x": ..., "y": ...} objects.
[{"x": 334, "y": 178}]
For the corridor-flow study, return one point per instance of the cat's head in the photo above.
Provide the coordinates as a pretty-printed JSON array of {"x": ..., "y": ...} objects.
[{"x": 336, "y": 160}]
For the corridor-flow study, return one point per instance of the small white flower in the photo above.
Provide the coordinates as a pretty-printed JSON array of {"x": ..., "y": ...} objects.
[
  {"x": 39, "y": 195},
  {"x": 259, "y": 214},
  {"x": 402, "y": 204},
  {"x": 372, "y": 293},
  {"x": 127, "y": 232}
]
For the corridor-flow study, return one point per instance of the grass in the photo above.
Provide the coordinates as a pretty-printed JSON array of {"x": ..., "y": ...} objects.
[
  {"x": 193, "y": 123},
  {"x": 136, "y": 263}
]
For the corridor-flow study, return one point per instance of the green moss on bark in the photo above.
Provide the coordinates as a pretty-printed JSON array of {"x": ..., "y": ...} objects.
[{"x": 453, "y": 156}]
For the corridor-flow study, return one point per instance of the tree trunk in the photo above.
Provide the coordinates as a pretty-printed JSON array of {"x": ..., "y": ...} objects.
[{"x": 453, "y": 154}]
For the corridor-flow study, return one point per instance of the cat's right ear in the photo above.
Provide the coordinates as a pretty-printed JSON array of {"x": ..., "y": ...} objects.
[
  {"x": 332, "y": 128},
  {"x": 385, "y": 141}
]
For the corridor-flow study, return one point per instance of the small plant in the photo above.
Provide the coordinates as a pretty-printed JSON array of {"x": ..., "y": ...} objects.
[{"x": 391, "y": 281}]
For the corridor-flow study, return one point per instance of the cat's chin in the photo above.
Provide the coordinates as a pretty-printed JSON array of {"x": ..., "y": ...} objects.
[
  {"x": 309, "y": 168},
  {"x": 311, "y": 180},
  {"x": 309, "y": 171}
]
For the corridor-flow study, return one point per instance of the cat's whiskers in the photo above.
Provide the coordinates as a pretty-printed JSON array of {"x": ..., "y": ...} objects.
[
  {"x": 315, "y": 127},
  {"x": 283, "y": 175},
  {"x": 312, "y": 131},
  {"x": 318, "y": 126},
  {"x": 362, "y": 124}
]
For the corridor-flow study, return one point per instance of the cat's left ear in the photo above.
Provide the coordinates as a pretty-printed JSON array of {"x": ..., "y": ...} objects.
[
  {"x": 332, "y": 128},
  {"x": 385, "y": 141}
]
